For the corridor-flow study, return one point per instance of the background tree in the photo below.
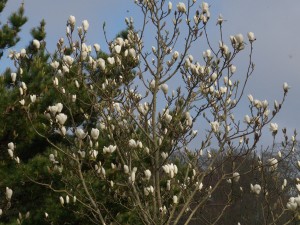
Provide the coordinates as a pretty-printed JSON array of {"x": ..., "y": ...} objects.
[{"x": 10, "y": 29}]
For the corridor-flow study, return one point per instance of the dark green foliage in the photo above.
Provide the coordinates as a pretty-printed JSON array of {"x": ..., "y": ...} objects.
[{"x": 10, "y": 29}]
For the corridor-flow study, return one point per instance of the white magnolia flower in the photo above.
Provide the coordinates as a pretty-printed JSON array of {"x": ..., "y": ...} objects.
[
  {"x": 74, "y": 199},
  {"x": 170, "y": 169},
  {"x": 74, "y": 98},
  {"x": 54, "y": 64},
  {"x": 61, "y": 118},
  {"x": 205, "y": 7},
  {"x": 139, "y": 144},
  {"x": 147, "y": 174},
  {"x": 23, "y": 85},
  {"x": 94, "y": 153},
  {"x": 22, "y": 102},
  {"x": 111, "y": 60},
  {"x": 284, "y": 182},
  {"x": 97, "y": 47},
  {"x": 273, "y": 163},
  {"x": 200, "y": 186},
  {"x": 13, "y": 77},
  {"x": 10, "y": 153},
  {"x": 59, "y": 107},
  {"x": 101, "y": 63},
  {"x": 292, "y": 204},
  {"x": 53, "y": 109},
  {"x": 163, "y": 210},
  {"x": 181, "y": 7},
  {"x": 36, "y": 44},
  {"x": 11, "y": 145},
  {"x": 175, "y": 199},
  {"x": 152, "y": 84},
  {"x": 8, "y": 193},
  {"x": 80, "y": 31},
  {"x": 23, "y": 52},
  {"x": 220, "y": 19},
  {"x": 250, "y": 97},
  {"x": 17, "y": 159},
  {"x": 52, "y": 158},
  {"x": 298, "y": 187},
  {"x": 95, "y": 133},
  {"x": 170, "y": 6},
  {"x": 207, "y": 53},
  {"x": 164, "y": 155},
  {"x": 132, "y": 175},
  {"x": 285, "y": 87},
  {"x": 175, "y": 55},
  {"x": 55, "y": 81},
  {"x": 273, "y": 127},
  {"x": 85, "y": 25},
  {"x": 63, "y": 131},
  {"x": 132, "y": 143},
  {"x": 81, "y": 154},
  {"x": 247, "y": 119},
  {"x": 255, "y": 189},
  {"x": 236, "y": 176},
  {"x": 279, "y": 154},
  {"x": 72, "y": 20},
  {"x": 62, "y": 201},
  {"x": 68, "y": 60},
  {"x": 65, "y": 69},
  {"x": 148, "y": 190},
  {"x": 126, "y": 169},
  {"x": 117, "y": 49},
  {"x": 239, "y": 38},
  {"x": 215, "y": 126},
  {"x": 168, "y": 185},
  {"x": 109, "y": 149},
  {"x": 77, "y": 84},
  {"x": 67, "y": 199},
  {"x": 132, "y": 52},
  {"x": 251, "y": 36},
  {"x": 80, "y": 133},
  {"x": 165, "y": 88},
  {"x": 232, "y": 69}
]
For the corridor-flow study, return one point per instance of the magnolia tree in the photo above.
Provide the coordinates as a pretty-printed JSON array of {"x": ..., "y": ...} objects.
[{"x": 129, "y": 144}]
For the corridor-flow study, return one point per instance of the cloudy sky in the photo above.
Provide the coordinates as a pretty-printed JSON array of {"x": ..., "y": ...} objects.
[{"x": 274, "y": 22}]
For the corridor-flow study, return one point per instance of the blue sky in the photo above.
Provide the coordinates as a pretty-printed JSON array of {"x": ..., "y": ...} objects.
[{"x": 274, "y": 22}]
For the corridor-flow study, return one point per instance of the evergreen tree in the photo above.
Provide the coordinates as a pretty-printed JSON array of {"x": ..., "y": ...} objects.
[{"x": 10, "y": 29}]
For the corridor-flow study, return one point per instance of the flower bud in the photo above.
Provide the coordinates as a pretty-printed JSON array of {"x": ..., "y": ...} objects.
[
  {"x": 36, "y": 44},
  {"x": 232, "y": 69},
  {"x": 72, "y": 20},
  {"x": 85, "y": 25},
  {"x": 181, "y": 7},
  {"x": 8, "y": 193},
  {"x": 285, "y": 87},
  {"x": 97, "y": 47},
  {"x": 170, "y": 6},
  {"x": 13, "y": 77},
  {"x": 175, "y": 55},
  {"x": 95, "y": 133},
  {"x": 251, "y": 37},
  {"x": 32, "y": 98},
  {"x": 165, "y": 88}
]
